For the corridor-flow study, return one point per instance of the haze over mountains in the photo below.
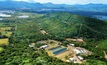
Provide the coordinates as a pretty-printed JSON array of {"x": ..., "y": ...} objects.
[
  {"x": 92, "y": 10},
  {"x": 36, "y": 5}
]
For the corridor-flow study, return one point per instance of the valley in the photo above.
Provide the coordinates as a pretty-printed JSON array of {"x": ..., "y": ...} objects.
[{"x": 27, "y": 33}]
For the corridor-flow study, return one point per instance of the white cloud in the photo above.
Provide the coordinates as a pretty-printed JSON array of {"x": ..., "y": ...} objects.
[{"x": 67, "y": 1}]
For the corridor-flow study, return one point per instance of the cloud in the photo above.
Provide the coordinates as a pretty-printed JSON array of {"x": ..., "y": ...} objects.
[{"x": 67, "y": 1}]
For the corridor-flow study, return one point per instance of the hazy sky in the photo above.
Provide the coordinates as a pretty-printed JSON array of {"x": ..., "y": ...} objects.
[{"x": 67, "y": 1}]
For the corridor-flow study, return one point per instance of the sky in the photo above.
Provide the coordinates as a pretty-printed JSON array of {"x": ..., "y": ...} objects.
[{"x": 66, "y": 1}]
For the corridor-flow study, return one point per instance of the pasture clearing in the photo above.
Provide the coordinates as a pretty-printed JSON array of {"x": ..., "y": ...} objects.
[
  {"x": 8, "y": 34},
  {"x": 4, "y": 41},
  {"x": 5, "y": 28}
]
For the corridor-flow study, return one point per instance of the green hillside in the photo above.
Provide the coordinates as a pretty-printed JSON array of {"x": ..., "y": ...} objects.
[
  {"x": 53, "y": 26},
  {"x": 64, "y": 25}
]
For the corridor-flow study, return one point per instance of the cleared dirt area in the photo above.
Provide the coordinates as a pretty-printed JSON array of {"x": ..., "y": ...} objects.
[
  {"x": 105, "y": 55},
  {"x": 63, "y": 55},
  {"x": 59, "y": 56},
  {"x": 43, "y": 32},
  {"x": 70, "y": 53},
  {"x": 66, "y": 53},
  {"x": 50, "y": 53},
  {"x": 75, "y": 40},
  {"x": 49, "y": 42}
]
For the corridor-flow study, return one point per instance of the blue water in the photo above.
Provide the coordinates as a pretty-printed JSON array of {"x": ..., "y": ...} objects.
[
  {"x": 101, "y": 17},
  {"x": 59, "y": 51}
]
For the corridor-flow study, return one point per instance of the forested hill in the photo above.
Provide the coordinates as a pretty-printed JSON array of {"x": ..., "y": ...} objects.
[
  {"x": 70, "y": 25},
  {"x": 53, "y": 26}
]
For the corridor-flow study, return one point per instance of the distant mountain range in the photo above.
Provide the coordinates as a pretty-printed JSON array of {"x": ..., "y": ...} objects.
[
  {"x": 87, "y": 9},
  {"x": 38, "y": 6}
]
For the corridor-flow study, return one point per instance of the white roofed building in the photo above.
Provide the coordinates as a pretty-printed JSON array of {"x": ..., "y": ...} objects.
[
  {"x": 81, "y": 58},
  {"x": 44, "y": 46},
  {"x": 77, "y": 51},
  {"x": 72, "y": 44},
  {"x": 71, "y": 59},
  {"x": 67, "y": 61}
]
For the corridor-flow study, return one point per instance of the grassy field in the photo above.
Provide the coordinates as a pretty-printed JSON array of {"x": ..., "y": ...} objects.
[
  {"x": 4, "y": 41},
  {"x": 8, "y": 34},
  {"x": 4, "y": 32},
  {"x": 5, "y": 28}
]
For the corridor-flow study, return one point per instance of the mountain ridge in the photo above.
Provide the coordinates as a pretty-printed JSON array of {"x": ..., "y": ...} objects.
[{"x": 22, "y": 4}]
